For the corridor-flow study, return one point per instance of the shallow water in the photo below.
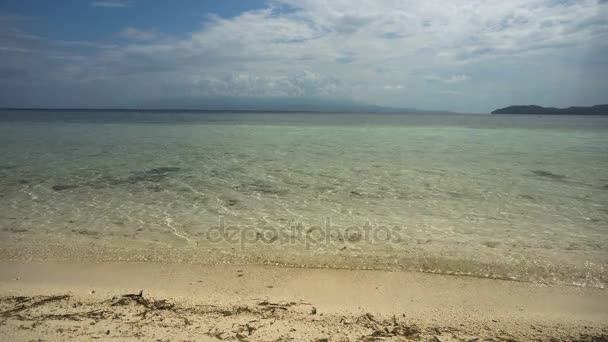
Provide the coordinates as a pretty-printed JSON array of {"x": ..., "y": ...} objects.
[{"x": 517, "y": 197}]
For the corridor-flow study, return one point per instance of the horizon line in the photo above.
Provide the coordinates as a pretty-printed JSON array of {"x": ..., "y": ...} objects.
[{"x": 391, "y": 111}]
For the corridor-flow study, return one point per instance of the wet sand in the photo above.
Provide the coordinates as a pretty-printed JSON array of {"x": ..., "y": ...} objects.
[{"x": 56, "y": 301}]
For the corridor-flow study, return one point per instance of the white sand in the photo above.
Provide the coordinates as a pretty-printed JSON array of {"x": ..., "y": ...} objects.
[{"x": 274, "y": 303}]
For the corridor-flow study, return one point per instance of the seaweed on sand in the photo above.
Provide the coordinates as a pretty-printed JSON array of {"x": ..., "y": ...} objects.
[
  {"x": 149, "y": 305},
  {"x": 23, "y": 310},
  {"x": 382, "y": 329},
  {"x": 27, "y": 303}
]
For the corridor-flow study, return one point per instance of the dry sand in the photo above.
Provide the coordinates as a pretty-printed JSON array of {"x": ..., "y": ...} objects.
[{"x": 58, "y": 301}]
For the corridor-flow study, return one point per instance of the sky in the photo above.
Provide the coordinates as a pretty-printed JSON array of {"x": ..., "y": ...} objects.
[{"x": 459, "y": 55}]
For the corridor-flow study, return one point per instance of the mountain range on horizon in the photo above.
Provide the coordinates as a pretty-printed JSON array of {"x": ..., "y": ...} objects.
[{"x": 252, "y": 104}]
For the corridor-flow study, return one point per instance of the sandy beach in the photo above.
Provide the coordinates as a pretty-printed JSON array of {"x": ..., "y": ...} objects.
[{"x": 58, "y": 301}]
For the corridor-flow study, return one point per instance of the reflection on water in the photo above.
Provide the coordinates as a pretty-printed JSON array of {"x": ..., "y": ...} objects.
[{"x": 511, "y": 197}]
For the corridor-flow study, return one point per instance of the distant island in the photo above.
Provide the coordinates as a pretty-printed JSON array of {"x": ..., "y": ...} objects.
[{"x": 594, "y": 110}]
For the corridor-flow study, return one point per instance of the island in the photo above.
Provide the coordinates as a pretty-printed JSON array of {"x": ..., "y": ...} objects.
[{"x": 593, "y": 110}]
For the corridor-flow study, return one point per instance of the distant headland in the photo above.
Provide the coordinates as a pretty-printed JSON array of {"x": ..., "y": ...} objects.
[{"x": 593, "y": 110}]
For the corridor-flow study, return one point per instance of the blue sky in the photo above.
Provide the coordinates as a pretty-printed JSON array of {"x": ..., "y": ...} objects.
[
  {"x": 461, "y": 55},
  {"x": 100, "y": 20}
]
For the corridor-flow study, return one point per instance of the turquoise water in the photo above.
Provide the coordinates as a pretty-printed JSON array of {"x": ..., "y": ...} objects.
[{"x": 516, "y": 197}]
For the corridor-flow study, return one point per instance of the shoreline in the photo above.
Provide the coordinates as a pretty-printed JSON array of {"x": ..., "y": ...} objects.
[
  {"x": 239, "y": 302},
  {"x": 44, "y": 248}
]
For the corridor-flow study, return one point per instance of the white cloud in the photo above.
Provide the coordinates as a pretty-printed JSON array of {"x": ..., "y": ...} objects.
[
  {"x": 138, "y": 35},
  {"x": 457, "y": 78},
  {"x": 111, "y": 4},
  {"x": 449, "y": 79}
]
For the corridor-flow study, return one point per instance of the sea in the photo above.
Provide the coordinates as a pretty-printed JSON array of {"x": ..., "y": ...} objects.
[{"x": 517, "y": 197}]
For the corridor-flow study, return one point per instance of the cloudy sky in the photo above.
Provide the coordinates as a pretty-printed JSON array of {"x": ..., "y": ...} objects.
[{"x": 459, "y": 55}]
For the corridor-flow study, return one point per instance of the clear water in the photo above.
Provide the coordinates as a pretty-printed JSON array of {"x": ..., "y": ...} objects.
[{"x": 516, "y": 197}]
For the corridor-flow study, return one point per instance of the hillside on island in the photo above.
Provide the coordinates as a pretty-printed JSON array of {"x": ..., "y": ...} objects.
[{"x": 593, "y": 110}]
